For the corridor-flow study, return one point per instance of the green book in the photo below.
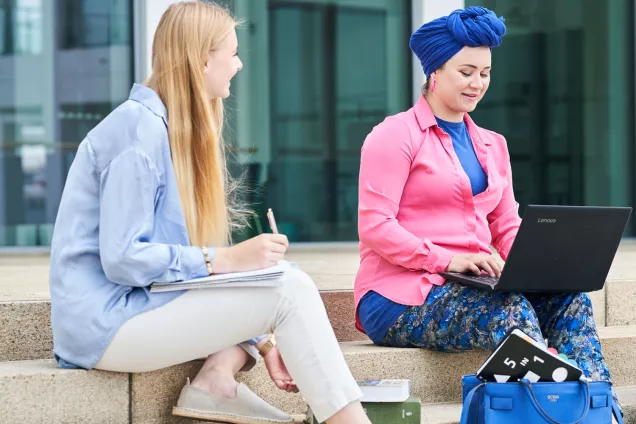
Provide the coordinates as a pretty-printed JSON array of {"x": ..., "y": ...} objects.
[{"x": 407, "y": 412}]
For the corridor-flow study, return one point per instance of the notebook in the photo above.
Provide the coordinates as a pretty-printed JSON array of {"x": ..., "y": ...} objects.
[
  {"x": 266, "y": 277},
  {"x": 519, "y": 356}
]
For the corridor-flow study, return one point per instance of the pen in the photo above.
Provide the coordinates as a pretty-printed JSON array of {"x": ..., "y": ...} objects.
[{"x": 272, "y": 221}]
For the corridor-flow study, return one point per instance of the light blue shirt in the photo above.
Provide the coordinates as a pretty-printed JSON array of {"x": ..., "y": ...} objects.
[{"x": 120, "y": 227}]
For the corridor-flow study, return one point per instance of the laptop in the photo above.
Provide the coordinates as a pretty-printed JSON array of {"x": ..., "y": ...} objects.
[{"x": 558, "y": 249}]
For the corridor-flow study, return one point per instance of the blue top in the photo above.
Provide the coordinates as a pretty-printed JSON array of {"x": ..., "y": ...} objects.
[
  {"x": 119, "y": 228},
  {"x": 466, "y": 154},
  {"x": 377, "y": 313}
]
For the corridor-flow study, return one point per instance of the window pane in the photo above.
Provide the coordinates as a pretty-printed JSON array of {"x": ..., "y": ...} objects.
[
  {"x": 318, "y": 76},
  {"x": 562, "y": 93},
  {"x": 54, "y": 87},
  {"x": 94, "y": 23}
]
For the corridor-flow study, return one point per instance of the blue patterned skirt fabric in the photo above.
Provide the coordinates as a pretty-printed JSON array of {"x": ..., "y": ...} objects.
[{"x": 456, "y": 318}]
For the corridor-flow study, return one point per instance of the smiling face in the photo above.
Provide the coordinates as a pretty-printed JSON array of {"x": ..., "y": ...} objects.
[
  {"x": 461, "y": 83},
  {"x": 221, "y": 66}
]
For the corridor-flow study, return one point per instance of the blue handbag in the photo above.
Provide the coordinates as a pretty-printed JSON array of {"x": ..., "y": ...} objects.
[{"x": 576, "y": 402}]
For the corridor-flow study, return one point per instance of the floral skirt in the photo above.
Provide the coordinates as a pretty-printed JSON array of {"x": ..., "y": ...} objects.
[{"x": 457, "y": 318}]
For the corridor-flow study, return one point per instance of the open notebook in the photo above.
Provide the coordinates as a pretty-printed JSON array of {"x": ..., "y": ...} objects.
[{"x": 267, "y": 277}]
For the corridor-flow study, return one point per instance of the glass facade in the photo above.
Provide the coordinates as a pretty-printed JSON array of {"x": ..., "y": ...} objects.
[
  {"x": 562, "y": 93},
  {"x": 64, "y": 65},
  {"x": 317, "y": 76}
]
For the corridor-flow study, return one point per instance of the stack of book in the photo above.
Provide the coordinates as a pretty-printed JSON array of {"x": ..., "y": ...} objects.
[{"x": 386, "y": 402}]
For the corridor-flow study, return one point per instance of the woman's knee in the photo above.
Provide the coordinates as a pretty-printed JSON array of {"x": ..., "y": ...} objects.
[
  {"x": 298, "y": 283},
  {"x": 514, "y": 310},
  {"x": 582, "y": 298},
  {"x": 578, "y": 304}
]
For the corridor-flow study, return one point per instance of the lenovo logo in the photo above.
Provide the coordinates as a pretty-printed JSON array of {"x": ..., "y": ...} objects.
[{"x": 546, "y": 221}]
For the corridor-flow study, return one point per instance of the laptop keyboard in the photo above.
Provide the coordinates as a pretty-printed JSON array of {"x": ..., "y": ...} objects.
[
  {"x": 480, "y": 279},
  {"x": 483, "y": 279}
]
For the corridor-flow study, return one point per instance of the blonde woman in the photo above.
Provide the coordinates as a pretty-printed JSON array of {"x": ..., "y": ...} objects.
[{"x": 146, "y": 201}]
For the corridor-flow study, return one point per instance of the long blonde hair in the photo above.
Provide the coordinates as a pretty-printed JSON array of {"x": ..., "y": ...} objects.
[{"x": 186, "y": 33}]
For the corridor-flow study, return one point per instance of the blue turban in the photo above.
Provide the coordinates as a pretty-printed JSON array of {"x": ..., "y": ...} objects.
[{"x": 435, "y": 42}]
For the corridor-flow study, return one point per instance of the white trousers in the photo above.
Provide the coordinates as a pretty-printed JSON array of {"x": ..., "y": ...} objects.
[{"x": 202, "y": 322}]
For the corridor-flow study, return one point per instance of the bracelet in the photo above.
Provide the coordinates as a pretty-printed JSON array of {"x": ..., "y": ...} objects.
[
  {"x": 264, "y": 350},
  {"x": 208, "y": 263}
]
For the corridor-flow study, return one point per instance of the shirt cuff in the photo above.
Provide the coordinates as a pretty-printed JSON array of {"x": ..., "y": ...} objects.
[
  {"x": 257, "y": 339},
  {"x": 438, "y": 259},
  {"x": 193, "y": 255}
]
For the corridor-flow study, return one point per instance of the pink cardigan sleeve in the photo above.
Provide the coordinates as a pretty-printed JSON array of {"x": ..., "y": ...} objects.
[
  {"x": 504, "y": 220},
  {"x": 385, "y": 164}
]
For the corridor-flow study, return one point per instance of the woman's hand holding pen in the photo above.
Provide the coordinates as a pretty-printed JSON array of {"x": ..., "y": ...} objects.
[{"x": 259, "y": 252}]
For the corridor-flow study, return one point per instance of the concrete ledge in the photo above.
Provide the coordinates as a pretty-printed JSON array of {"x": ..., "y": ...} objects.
[
  {"x": 25, "y": 331},
  {"x": 30, "y": 388},
  {"x": 155, "y": 393},
  {"x": 341, "y": 312},
  {"x": 436, "y": 377},
  {"x": 599, "y": 303},
  {"x": 619, "y": 345},
  {"x": 621, "y": 302},
  {"x": 36, "y": 391},
  {"x": 25, "y": 326}
]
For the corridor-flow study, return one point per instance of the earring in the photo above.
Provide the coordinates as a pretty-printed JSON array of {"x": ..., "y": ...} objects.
[{"x": 433, "y": 85}]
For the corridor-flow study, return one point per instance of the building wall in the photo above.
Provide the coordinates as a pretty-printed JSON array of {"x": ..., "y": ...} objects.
[
  {"x": 64, "y": 65},
  {"x": 318, "y": 75}
]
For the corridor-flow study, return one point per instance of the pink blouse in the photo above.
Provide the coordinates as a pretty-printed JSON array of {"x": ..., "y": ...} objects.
[{"x": 416, "y": 207}]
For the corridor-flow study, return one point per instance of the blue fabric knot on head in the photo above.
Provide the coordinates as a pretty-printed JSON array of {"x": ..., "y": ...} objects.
[{"x": 435, "y": 42}]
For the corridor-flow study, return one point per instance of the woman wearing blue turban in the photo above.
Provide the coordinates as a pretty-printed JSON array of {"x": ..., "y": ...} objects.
[{"x": 435, "y": 193}]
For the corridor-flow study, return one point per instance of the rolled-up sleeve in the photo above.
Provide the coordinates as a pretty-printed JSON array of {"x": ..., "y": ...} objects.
[
  {"x": 128, "y": 189},
  {"x": 385, "y": 165}
]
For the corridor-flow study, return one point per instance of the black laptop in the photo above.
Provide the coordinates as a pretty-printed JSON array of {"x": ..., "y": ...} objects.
[{"x": 557, "y": 249}]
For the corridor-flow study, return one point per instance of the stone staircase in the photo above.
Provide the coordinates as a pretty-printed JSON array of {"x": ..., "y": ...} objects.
[{"x": 33, "y": 390}]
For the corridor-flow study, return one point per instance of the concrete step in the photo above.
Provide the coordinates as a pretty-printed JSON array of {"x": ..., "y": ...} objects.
[
  {"x": 426, "y": 369},
  {"x": 33, "y": 390},
  {"x": 25, "y": 326},
  {"x": 38, "y": 392},
  {"x": 25, "y": 309}
]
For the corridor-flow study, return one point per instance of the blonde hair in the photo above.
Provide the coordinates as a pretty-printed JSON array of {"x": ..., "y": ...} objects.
[{"x": 186, "y": 34}]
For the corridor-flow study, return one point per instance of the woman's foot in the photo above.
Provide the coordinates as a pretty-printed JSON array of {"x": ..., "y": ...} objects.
[
  {"x": 215, "y": 394},
  {"x": 218, "y": 382},
  {"x": 244, "y": 407}
]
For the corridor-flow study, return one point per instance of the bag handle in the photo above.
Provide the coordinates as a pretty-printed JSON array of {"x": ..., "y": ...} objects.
[
  {"x": 467, "y": 401},
  {"x": 535, "y": 403}
]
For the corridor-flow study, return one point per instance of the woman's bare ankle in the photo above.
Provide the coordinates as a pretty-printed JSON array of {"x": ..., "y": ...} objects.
[
  {"x": 217, "y": 382},
  {"x": 350, "y": 414}
]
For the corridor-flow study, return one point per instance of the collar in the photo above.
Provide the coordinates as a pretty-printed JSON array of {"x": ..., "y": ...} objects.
[
  {"x": 426, "y": 119},
  {"x": 149, "y": 98}
]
